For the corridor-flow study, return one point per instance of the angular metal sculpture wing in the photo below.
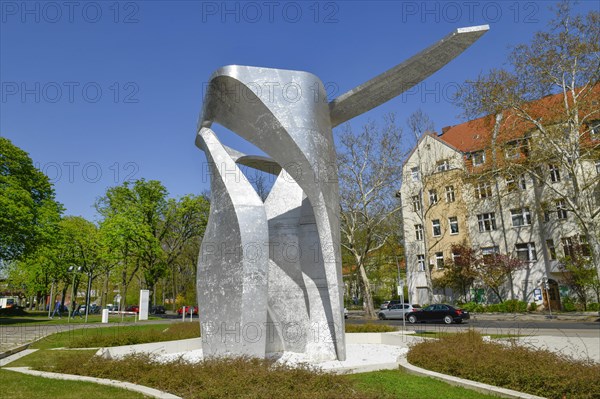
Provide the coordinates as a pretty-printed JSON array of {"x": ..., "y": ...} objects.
[{"x": 402, "y": 77}]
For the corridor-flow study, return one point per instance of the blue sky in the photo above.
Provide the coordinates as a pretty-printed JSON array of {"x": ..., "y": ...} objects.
[{"x": 103, "y": 91}]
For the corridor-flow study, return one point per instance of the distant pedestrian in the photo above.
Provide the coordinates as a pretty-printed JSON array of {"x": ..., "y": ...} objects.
[
  {"x": 57, "y": 307},
  {"x": 76, "y": 311}
]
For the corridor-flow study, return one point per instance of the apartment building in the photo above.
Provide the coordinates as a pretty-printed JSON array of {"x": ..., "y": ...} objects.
[{"x": 466, "y": 186}]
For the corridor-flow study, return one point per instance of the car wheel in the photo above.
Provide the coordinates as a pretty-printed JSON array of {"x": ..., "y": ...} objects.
[
  {"x": 448, "y": 319},
  {"x": 382, "y": 316},
  {"x": 412, "y": 319}
]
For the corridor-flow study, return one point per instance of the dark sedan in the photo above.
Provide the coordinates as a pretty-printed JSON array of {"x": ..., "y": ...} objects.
[{"x": 438, "y": 312}]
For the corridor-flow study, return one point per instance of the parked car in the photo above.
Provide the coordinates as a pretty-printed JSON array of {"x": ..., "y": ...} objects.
[
  {"x": 438, "y": 312},
  {"x": 187, "y": 310},
  {"x": 157, "y": 309},
  {"x": 94, "y": 309},
  {"x": 384, "y": 305},
  {"x": 133, "y": 308},
  {"x": 397, "y": 311}
]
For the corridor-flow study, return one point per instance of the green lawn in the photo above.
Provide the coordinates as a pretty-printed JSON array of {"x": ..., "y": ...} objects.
[
  {"x": 41, "y": 318},
  {"x": 400, "y": 384},
  {"x": 20, "y": 386},
  {"x": 118, "y": 335}
]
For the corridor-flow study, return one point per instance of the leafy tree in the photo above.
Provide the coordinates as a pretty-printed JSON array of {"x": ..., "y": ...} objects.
[
  {"x": 369, "y": 166},
  {"x": 579, "y": 274},
  {"x": 562, "y": 61},
  {"x": 134, "y": 225},
  {"x": 460, "y": 271},
  {"x": 30, "y": 212},
  {"x": 187, "y": 217},
  {"x": 496, "y": 269}
]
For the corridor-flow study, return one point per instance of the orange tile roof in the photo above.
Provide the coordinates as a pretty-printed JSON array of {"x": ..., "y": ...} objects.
[{"x": 476, "y": 134}]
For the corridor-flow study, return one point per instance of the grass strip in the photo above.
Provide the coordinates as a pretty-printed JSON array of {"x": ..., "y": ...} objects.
[
  {"x": 20, "y": 386},
  {"x": 118, "y": 335}
]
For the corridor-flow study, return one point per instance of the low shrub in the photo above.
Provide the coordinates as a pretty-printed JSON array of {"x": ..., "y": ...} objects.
[
  {"x": 568, "y": 304},
  {"x": 537, "y": 372},
  {"x": 593, "y": 307},
  {"x": 217, "y": 378},
  {"x": 532, "y": 307},
  {"x": 369, "y": 327},
  {"x": 494, "y": 307},
  {"x": 513, "y": 306}
]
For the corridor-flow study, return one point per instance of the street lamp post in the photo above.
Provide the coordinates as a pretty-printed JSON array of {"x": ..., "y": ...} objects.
[
  {"x": 87, "y": 296},
  {"x": 71, "y": 269}
]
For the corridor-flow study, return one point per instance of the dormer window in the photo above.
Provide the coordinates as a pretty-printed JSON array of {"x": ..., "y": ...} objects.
[{"x": 478, "y": 158}]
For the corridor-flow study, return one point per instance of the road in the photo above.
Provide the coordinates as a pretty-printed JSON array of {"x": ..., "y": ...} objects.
[{"x": 525, "y": 327}]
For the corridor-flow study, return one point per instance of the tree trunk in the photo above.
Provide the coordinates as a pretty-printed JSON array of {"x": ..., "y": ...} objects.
[{"x": 367, "y": 296}]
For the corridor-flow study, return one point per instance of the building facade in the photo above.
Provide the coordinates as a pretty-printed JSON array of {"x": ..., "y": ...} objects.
[{"x": 463, "y": 186}]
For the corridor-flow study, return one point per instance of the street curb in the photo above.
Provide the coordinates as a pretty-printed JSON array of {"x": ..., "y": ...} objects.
[
  {"x": 154, "y": 393},
  {"x": 461, "y": 382},
  {"x": 16, "y": 356},
  {"x": 12, "y": 351}
]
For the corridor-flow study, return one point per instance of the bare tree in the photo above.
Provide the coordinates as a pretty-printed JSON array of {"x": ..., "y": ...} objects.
[
  {"x": 563, "y": 139},
  {"x": 370, "y": 166}
]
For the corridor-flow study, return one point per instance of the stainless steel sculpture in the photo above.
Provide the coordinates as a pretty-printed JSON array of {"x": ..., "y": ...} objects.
[{"x": 269, "y": 274}]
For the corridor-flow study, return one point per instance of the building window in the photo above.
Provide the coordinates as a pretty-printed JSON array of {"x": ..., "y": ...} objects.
[
  {"x": 595, "y": 130},
  {"x": 512, "y": 149},
  {"x": 520, "y": 217},
  {"x": 584, "y": 246},
  {"x": 450, "y": 197},
  {"x": 598, "y": 166},
  {"x": 416, "y": 203},
  {"x": 421, "y": 263},
  {"x": 551, "y": 249},
  {"x": 488, "y": 252},
  {"x": 546, "y": 212},
  {"x": 419, "y": 231},
  {"x": 478, "y": 158},
  {"x": 483, "y": 190},
  {"x": 526, "y": 252},
  {"x": 554, "y": 173},
  {"x": 433, "y": 199},
  {"x": 437, "y": 228},
  {"x": 453, "y": 221},
  {"x": 568, "y": 247},
  {"x": 561, "y": 209},
  {"x": 439, "y": 260},
  {"x": 414, "y": 173},
  {"x": 443, "y": 165},
  {"x": 487, "y": 221},
  {"x": 455, "y": 255},
  {"x": 522, "y": 182}
]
